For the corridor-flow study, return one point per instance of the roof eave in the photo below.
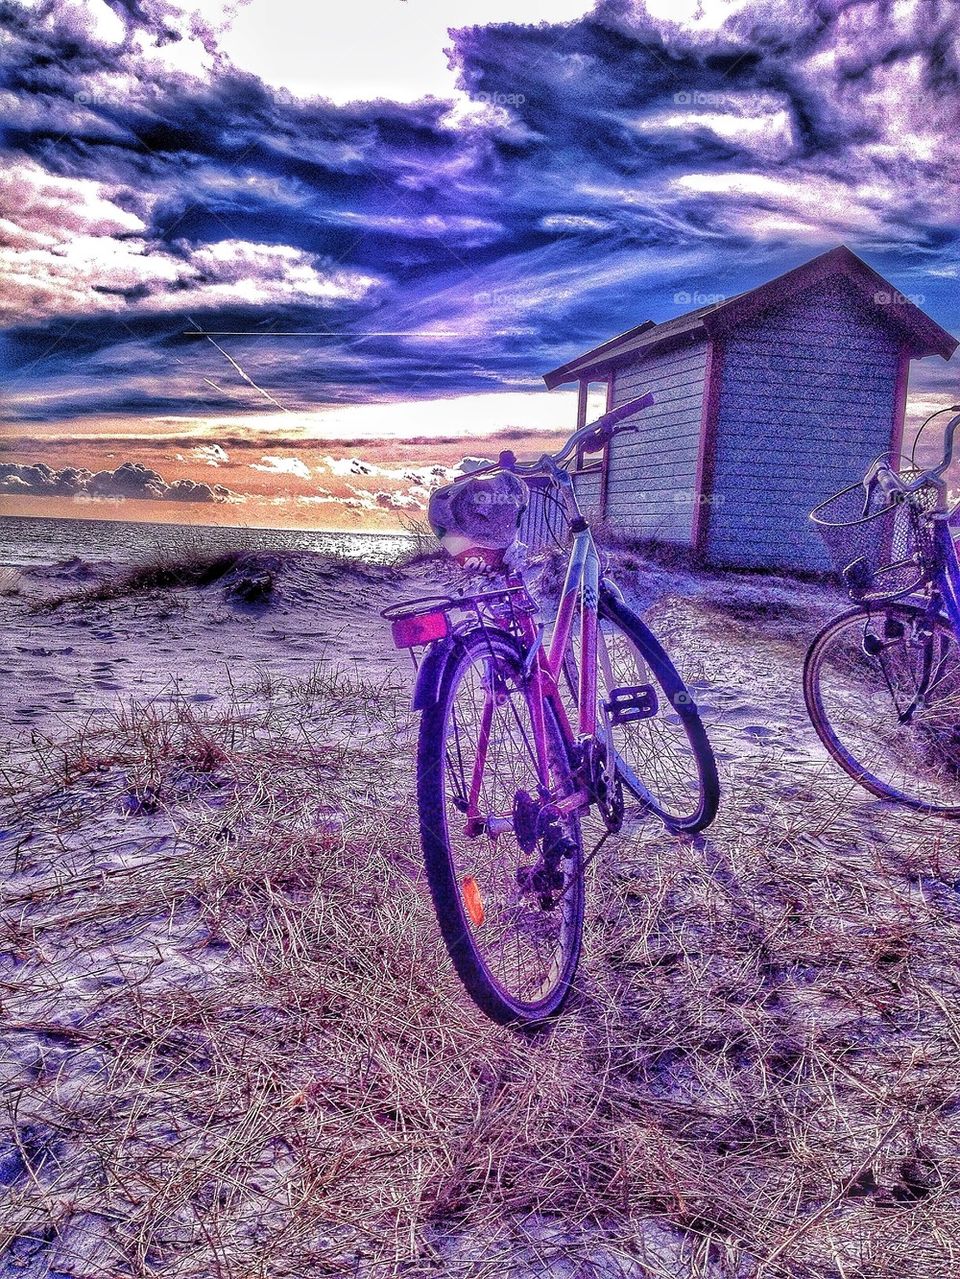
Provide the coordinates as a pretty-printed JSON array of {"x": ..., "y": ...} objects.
[
  {"x": 599, "y": 361},
  {"x": 574, "y": 369},
  {"x": 922, "y": 335}
]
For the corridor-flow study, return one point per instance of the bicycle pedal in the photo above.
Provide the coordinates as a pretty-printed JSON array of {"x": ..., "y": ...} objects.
[{"x": 630, "y": 703}]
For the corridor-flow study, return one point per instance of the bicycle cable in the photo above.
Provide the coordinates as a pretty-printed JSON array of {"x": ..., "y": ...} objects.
[{"x": 950, "y": 408}]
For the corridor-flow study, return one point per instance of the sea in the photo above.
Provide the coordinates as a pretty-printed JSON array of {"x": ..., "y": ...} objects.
[{"x": 26, "y": 541}]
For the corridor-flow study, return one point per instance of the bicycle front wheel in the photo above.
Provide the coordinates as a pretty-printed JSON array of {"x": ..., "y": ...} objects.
[
  {"x": 664, "y": 756},
  {"x": 882, "y": 688},
  {"x": 505, "y": 869}
]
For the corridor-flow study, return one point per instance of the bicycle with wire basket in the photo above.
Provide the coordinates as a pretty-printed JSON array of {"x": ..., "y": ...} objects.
[
  {"x": 523, "y": 732},
  {"x": 882, "y": 681}
]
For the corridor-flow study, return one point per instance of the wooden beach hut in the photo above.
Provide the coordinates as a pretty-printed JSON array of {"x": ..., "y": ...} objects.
[{"x": 765, "y": 404}]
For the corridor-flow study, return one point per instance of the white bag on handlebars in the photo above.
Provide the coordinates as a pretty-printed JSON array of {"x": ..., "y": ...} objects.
[{"x": 477, "y": 518}]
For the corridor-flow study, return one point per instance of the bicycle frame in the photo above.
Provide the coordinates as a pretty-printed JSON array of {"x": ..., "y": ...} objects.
[
  {"x": 581, "y": 585},
  {"x": 542, "y": 670},
  {"x": 945, "y": 584}
]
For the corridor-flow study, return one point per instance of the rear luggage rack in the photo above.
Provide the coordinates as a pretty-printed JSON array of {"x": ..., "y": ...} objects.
[{"x": 429, "y": 618}]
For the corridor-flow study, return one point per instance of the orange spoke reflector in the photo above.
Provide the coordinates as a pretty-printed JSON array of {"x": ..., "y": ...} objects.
[{"x": 472, "y": 900}]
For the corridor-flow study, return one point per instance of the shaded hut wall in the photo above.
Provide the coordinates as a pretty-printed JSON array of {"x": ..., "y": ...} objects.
[{"x": 807, "y": 399}]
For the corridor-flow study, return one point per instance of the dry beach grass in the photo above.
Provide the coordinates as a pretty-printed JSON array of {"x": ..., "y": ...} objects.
[{"x": 233, "y": 1045}]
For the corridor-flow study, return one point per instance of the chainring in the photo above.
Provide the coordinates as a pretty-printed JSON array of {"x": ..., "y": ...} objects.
[{"x": 607, "y": 793}]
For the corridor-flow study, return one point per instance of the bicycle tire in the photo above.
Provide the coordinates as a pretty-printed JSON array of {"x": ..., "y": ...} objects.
[
  {"x": 820, "y": 719},
  {"x": 489, "y": 994},
  {"x": 671, "y": 686}
]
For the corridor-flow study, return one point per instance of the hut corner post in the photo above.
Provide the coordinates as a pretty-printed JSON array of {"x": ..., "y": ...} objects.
[
  {"x": 605, "y": 458},
  {"x": 709, "y": 417},
  {"x": 899, "y": 405},
  {"x": 583, "y": 387}
]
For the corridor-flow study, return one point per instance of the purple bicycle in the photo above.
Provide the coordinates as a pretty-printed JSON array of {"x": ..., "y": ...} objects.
[
  {"x": 524, "y": 728},
  {"x": 882, "y": 681}
]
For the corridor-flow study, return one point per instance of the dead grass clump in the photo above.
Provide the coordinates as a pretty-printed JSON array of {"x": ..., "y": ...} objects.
[
  {"x": 163, "y": 572},
  {"x": 632, "y": 552},
  {"x": 421, "y": 545}
]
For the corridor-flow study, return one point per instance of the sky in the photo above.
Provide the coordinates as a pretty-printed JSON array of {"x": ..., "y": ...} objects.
[{"x": 438, "y": 200}]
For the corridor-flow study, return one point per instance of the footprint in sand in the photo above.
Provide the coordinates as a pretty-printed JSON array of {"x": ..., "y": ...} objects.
[{"x": 745, "y": 711}]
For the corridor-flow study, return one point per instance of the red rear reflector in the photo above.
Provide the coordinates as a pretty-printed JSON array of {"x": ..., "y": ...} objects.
[
  {"x": 419, "y": 628},
  {"x": 473, "y": 901}
]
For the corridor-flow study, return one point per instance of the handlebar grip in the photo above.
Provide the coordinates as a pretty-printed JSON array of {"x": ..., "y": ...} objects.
[
  {"x": 603, "y": 427},
  {"x": 623, "y": 410}
]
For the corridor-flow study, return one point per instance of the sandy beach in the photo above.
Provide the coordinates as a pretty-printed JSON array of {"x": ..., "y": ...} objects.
[{"x": 233, "y": 1045}]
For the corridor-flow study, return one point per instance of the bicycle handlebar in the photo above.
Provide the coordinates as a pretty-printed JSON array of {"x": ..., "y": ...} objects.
[
  {"x": 591, "y": 438},
  {"x": 949, "y": 440},
  {"x": 881, "y": 474}
]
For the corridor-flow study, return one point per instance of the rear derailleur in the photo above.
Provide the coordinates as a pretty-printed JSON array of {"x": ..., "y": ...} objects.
[{"x": 537, "y": 826}]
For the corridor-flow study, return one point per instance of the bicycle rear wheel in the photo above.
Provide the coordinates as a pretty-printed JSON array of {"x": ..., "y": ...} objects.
[
  {"x": 508, "y": 888},
  {"x": 882, "y": 689}
]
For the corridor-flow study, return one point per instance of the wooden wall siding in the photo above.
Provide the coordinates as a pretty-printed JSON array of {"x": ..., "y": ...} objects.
[
  {"x": 807, "y": 400},
  {"x": 653, "y": 474},
  {"x": 586, "y": 485}
]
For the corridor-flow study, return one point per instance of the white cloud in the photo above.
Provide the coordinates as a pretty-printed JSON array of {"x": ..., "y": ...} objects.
[
  {"x": 574, "y": 222},
  {"x": 471, "y": 416},
  {"x": 466, "y": 230},
  {"x": 75, "y": 245},
  {"x": 47, "y": 205},
  {"x": 273, "y": 465},
  {"x": 813, "y": 205},
  {"x": 90, "y": 21},
  {"x": 371, "y": 48},
  {"x": 354, "y": 467},
  {"x": 766, "y": 131},
  {"x": 210, "y": 454}
]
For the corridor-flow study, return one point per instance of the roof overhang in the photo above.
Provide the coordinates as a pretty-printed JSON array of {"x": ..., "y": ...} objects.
[{"x": 605, "y": 353}]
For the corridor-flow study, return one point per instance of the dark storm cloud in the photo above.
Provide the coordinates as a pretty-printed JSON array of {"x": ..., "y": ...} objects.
[{"x": 608, "y": 170}]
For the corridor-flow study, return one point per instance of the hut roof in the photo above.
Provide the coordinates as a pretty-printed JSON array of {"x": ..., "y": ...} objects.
[{"x": 922, "y": 335}]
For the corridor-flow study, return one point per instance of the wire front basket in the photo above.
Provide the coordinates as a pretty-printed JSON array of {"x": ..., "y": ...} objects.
[{"x": 885, "y": 550}]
